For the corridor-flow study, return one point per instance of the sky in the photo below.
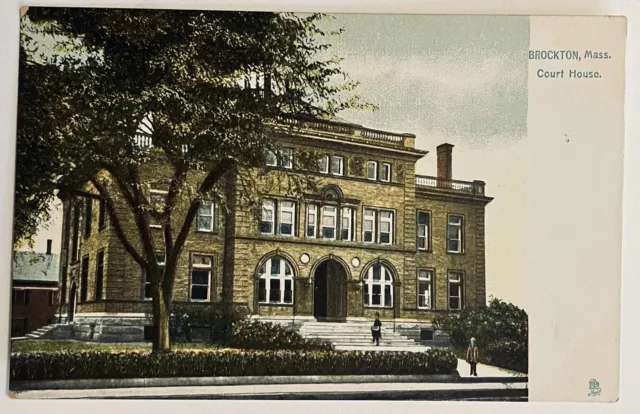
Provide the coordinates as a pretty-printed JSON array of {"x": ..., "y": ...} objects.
[{"x": 455, "y": 79}]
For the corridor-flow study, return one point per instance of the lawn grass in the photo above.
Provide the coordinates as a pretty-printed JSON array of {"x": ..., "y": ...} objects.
[{"x": 51, "y": 345}]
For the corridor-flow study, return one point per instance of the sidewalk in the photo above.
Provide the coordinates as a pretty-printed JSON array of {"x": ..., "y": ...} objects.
[
  {"x": 485, "y": 370},
  {"x": 424, "y": 391}
]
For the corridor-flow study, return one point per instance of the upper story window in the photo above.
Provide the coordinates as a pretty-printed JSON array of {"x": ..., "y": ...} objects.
[
  {"x": 75, "y": 237},
  {"x": 205, "y": 218},
  {"x": 281, "y": 158},
  {"x": 284, "y": 223},
  {"x": 102, "y": 214},
  {"x": 385, "y": 172},
  {"x": 287, "y": 214},
  {"x": 329, "y": 219},
  {"x": 377, "y": 226},
  {"x": 88, "y": 207},
  {"x": 20, "y": 297},
  {"x": 323, "y": 164},
  {"x": 156, "y": 199},
  {"x": 347, "y": 224},
  {"x": 425, "y": 289},
  {"x": 337, "y": 165},
  {"x": 372, "y": 170},
  {"x": 312, "y": 220},
  {"x": 455, "y": 234},
  {"x": 99, "y": 274},
  {"x": 201, "y": 270},
  {"x": 423, "y": 231},
  {"x": 84, "y": 279}
]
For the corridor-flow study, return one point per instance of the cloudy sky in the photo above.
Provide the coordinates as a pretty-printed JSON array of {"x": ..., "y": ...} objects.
[{"x": 455, "y": 79}]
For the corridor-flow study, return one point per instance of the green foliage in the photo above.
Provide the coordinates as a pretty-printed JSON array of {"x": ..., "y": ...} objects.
[
  {"x": 85, "y": 365},
  {"x": 217, "y": 319},
  {"x": 500, "y": 329},
  {"x": 252, "y": 334}
]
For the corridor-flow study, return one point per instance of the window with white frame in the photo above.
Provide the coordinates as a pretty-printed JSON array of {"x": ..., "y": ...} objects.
[
  {"x": 369, "y": 225},
  {"x": 287, "y": 214},
  {"x": 276, "y": 282},
  {"x": 423, "y": 230},
  {"x": 455, "y": 290},
  {"x": 271, "y": 159},
  {"x": 425, "y": 289},
  {"x": 312, "y": 220},
  {"x": 160, "y": 260},
  {"x": 201, "y": 271},
  {"x": 385, "y": 174},
  {"x": 329, "y": 219},
  {"x": 323, "y": 164},
  {"x": 205, "y": 217},
  {"x": 385, "y": 235},
  {"x": 287, "y": 157},
  {"x": 454, "y": 234},
  {"x": 337, "y": 165},
  {"x": 268, "y": 217},
  {"x": 346, "y": 225},
  {"x": 372, "y": 170},
  {"x": 378, "y": 287},
  {"x": 157, "y": 201}
]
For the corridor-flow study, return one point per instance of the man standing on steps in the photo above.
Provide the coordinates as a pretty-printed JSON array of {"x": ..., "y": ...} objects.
[
  {"x": 472, "y": 357},
  {"x": 376, "y": 330}
]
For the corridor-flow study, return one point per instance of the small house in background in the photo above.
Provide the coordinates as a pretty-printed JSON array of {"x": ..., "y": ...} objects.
[{"x": 34, "y": 288}]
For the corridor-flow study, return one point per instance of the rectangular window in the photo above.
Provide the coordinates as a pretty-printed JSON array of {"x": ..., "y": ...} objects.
[
  {"x": 156, "y": 201},
  {"x": 323, "y": 164},
  {"x": 201, "y": 271},
  {"x": 385, "y": 174},
  {"x": 385, "y": 235},
  {"x": 454, "y": 234},
  {"x": 287, "y": 158},
  {"x": 346, "y": 226},
  {"x": 287, "y": 213},
  {"x": 268, "y": 216},
  {"x": 423, "y": 231},
  {"x": 75, "y": 238},
  {"x": 20, "y": 297},
  {"x": 102, "y": 214},
  {"x": 329, "y": 222},
  {"x": 88, "y": 204},
  {"x": 312, "y": 220},
  {"x": 84, "y": 278},
  {"x": 205, "y": 216},
  {"x": 337, "y": 165},
  {"x": 368, "y": 225},
  {"x": 425, "y": 289},
  {"x": 99, "y": 274},
  {"x": 160, "y": 260},
  {"x": 372, "y": 170},
  {"x": 455, "y": 291},
  {"x": 271, "y": 159},
  {"x": 262, "y": 291}
]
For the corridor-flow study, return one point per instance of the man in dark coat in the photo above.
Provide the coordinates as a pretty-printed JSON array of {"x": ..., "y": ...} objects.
[{"x": 376, "y": 330}]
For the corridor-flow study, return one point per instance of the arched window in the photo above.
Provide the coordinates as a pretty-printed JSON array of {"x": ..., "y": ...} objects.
[
  {"x": 378, "y": 287},
  {"x": 276, "y": 282}
]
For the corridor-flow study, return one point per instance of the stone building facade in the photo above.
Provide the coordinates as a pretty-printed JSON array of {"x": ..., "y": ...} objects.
[{"x": 374, "y": 238}]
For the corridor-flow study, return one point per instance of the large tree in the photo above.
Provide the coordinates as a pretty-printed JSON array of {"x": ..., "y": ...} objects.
[{"x": 209, "y": 84}]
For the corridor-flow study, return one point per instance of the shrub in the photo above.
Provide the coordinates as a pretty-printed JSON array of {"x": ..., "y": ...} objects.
[
  {"x": 85, "y": 365},
  {"x": 254, "y": 334},
  {"x": 500, "y": 329},
  {"x": 217, "y": 319}
]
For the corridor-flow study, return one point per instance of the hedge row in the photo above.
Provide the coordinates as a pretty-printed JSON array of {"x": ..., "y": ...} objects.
[
  {"x": 85, "y": 365},
  {"x": 253, "y": 334}
]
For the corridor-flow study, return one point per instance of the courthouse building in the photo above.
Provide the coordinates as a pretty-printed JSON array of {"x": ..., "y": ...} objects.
[{"x": 375, "y": 237}]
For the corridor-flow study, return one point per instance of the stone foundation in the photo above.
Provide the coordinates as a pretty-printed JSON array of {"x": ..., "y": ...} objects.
[{"x": 111, "y": 328}]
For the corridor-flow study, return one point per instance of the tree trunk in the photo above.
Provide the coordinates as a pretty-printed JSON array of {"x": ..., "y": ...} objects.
[{"x": 161, "y": 313}]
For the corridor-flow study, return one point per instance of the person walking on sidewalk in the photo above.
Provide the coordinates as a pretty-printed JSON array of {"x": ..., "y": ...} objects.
[
  {"x": 472, "y": 356},
  {"x": 376, "y": 330}
]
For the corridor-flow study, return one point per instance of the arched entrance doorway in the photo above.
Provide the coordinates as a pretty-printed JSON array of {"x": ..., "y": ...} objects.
[
  {"x": 330, "y": 291},
  {"x": 72, "y": 303}
]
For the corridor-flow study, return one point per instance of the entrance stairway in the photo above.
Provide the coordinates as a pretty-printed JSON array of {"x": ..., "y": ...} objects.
[
  {"x": 356, "y": 336},
  {"x": 52, "y": 331}
]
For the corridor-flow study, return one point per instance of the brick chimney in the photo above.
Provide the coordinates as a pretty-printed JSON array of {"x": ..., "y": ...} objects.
[
  {"x": 444, "y": 161},
  {"x": 49, "y": 244}
]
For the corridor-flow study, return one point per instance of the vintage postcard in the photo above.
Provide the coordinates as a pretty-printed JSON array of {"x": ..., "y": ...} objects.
[{"x": 270, "y": 205}]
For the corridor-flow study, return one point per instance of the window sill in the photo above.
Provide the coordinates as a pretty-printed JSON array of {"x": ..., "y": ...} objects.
[
  {"x": 425, "y": 251},
  {"x": 456, "y": 253},
  {"x": 275, "y": 304},
  {"x": 377, "y": 307},
  {"x": 207, "y": 231}
]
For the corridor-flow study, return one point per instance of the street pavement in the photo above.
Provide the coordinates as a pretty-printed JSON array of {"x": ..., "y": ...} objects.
[{"x": 369, "y": 391}]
